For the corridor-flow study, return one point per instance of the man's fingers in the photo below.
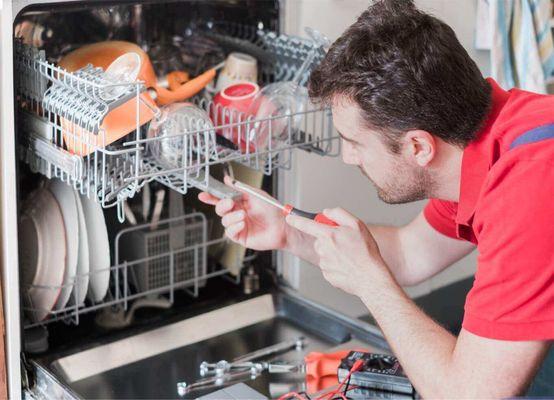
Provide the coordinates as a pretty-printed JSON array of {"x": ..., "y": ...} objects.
[
  {"x": 224, "y": 206},
  {"x": 232, "y": 218},
  {"x": 307, "y": 225},
  {"x": 234, "y": 230},
  {"x": 207, "y": 198},
  {"x": 228, "y": 181},
  {"x": 341, "y": 217}
]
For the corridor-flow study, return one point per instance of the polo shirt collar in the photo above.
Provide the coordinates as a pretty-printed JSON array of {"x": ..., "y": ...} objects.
[{"x": 476, "y": 159}]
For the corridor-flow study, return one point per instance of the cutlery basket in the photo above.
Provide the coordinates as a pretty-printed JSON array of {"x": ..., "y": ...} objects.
[{"x": 173, "y": 256}]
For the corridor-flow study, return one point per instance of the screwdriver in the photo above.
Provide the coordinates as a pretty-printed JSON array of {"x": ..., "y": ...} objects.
[{"x": 287, "y": 208}]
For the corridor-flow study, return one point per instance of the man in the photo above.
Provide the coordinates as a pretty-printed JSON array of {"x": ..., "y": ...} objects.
[{"x": 419, "y": 120}]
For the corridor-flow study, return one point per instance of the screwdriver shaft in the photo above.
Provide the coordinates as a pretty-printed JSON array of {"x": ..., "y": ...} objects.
[{"x": 249, "y": 190}]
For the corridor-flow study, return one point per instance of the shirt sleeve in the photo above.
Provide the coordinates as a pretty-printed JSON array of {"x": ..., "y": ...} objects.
[
  {"x": 441, "y": 215},
  {"x": 513, "y": 293}
]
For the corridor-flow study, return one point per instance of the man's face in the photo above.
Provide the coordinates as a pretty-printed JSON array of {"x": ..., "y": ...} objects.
[{"x": 398, "y": 178}]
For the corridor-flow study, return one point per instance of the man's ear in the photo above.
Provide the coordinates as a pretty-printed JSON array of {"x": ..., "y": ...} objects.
[{"x": 420, "y": 146}]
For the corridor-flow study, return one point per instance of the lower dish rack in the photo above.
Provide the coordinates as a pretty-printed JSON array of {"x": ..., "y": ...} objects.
[{"x": 149, "y": 262}]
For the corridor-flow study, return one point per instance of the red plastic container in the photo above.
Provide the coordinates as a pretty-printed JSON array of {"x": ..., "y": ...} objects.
[{"x": 232, "y": 106}]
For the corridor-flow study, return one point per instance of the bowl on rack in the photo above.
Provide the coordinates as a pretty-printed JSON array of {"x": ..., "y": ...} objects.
[{"x": 81, "y": 136}]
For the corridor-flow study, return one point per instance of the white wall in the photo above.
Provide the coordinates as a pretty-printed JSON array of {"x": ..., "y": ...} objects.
[{"x": 326, "y": 182}]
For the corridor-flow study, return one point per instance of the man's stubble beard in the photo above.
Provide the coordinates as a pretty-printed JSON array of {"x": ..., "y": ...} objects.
[{"x": 418, "y": 187}]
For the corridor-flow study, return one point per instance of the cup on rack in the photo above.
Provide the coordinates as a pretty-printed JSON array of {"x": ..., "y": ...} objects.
[
  {"x": 232, "y": 106},
  {"x": 184, "y": 135},
  {"x": 238, "y": 67},
  {"x": 278, "y": 112}
]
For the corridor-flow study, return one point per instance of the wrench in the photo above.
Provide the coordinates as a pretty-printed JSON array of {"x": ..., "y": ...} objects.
[
  {"x": 183, "y": 387},
  {"x": 242, "y": 362}
]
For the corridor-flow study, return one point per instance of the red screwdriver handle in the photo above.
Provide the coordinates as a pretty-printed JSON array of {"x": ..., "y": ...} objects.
[{"x": 320, "y": 218}]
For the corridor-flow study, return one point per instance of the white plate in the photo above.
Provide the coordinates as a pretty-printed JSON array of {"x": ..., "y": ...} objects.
[
  {"x": 42, "y": 252},
  {"x": 82, "y": 278},
  {"x": 66, "y": 200},
  {"x": 99, "y": 250}
]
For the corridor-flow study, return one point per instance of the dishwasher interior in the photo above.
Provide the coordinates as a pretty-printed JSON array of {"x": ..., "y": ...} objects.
[{"x": 155, "y": 288}]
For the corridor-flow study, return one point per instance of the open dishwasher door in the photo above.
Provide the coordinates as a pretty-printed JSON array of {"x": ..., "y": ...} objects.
[{"x": 155, "y": 363}]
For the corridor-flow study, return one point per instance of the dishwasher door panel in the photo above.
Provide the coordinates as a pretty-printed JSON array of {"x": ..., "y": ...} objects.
[{"x": 223, "y": 334}]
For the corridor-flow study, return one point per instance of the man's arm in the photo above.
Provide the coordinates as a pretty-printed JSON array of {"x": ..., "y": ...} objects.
[
  {"x": 441, "y": 366},
  {"x": 438, "y": 364},
  {"x": 410, "y": 251}
]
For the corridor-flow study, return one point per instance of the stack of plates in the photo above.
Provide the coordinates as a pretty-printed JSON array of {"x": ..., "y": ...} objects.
[{"x": 63, "y": 249}]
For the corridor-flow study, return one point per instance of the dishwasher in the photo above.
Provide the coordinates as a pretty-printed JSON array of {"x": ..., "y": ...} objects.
[{"x": 118, "y": 282}]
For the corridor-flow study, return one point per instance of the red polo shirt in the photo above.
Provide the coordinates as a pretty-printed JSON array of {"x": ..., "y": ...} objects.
[{"x": 506, "y": 208}]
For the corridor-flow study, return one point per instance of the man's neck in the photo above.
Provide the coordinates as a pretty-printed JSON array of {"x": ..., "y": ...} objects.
[{"x": 448, "y": 169}]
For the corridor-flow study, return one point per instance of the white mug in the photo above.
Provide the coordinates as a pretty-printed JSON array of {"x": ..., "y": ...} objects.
[{"x": 238, "y": 67}]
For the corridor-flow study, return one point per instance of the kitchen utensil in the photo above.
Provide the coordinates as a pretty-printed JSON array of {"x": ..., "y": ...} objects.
[
  {"x": 171, "y": 129},
  {"x": 66, "y": 200},
  {"x": 232, "y": 106},
  {"x": 286, "y": 208},
  {"x": 176, "y": 229},
  {"x": 42, "y": 252},
  {"x": 102, "y": 54},
  {"x": 238, "y": 67},
  {"x": 129, "y": 214},
  {"x": 99, "y": 249},
  {"x": 123, "y": 69},
  {"x": 282, "y": 99},
  {"x": 160, "y": 196},
  {"x": 82, "y": 279},
  {"x": 146, "y": 202}
]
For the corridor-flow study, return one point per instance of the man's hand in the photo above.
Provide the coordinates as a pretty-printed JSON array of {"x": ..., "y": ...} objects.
[
  {"x": 249, "y": 221},
  {"x": 348, "y": 255}
]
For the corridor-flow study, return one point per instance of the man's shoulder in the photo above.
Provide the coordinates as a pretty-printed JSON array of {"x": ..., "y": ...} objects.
[{"x": 522, "y": 112}]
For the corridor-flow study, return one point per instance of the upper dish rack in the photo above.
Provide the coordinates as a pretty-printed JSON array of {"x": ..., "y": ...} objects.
[{"x": 64, "y": 115}]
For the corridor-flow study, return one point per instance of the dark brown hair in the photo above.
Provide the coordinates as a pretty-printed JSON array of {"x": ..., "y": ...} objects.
[{"x": 406, "y": 70}]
